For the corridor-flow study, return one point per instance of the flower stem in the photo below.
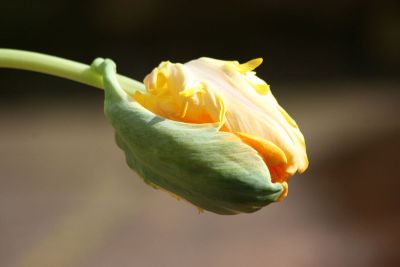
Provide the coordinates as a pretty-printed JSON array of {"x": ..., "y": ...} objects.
[{"x": 60, "y": 67}]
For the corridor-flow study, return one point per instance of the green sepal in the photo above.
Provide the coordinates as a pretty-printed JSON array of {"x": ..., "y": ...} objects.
[{"x": 213, "y": 170}]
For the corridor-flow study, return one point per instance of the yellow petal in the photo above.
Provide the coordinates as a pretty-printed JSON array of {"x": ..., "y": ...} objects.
[{"x": 250, "y": 65}]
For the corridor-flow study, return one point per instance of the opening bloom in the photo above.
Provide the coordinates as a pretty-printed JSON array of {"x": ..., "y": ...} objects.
[
  {"x": 208, "y": 131},
  {"x": 207, "y": 90}
]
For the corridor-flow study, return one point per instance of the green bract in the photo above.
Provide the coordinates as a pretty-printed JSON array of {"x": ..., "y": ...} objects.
[{"x": 213, "y": 170}]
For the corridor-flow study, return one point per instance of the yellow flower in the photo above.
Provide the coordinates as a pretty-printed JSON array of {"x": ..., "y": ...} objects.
[
  {"x": 208, "y": 131},
  {"x": 207, "y": 90}
]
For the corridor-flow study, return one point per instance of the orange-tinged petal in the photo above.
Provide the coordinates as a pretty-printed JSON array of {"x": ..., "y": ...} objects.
[
  {"x": 273, "y": 156},
  {"x": 271, "y": 153},
  {"x": 284, "y": 192}
]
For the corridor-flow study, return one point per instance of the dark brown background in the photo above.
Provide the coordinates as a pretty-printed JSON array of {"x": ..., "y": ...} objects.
[{"x": 68, "y": 199}]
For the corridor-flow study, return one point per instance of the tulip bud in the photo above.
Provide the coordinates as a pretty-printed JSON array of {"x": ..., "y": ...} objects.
[{"x": 196, "y": 134}]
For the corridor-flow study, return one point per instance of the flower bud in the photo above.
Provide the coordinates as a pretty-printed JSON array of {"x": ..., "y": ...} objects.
[{"x": 208, "y": 131}]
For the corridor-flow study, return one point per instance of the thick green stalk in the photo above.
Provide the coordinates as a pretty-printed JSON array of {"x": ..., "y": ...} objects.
[{"x": 64, "y": 68}]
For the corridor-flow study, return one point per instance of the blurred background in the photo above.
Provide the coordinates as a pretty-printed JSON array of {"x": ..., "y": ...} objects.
[{"x": 67, "y": 198}]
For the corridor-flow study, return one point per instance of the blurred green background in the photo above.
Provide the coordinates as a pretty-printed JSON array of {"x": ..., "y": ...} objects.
[{"x": 67, "y": 197}]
